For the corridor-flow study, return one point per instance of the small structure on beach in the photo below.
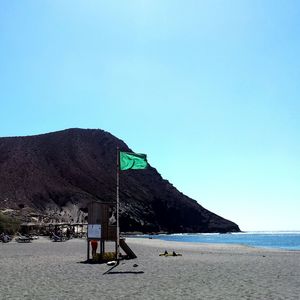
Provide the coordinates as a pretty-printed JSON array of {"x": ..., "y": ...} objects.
[
  {"x": 102, "y": 227},
  {"x": 75, "y": 229}
]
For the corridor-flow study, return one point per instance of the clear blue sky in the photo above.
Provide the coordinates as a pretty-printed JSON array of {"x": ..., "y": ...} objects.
[{"x": 209, "y": 90}]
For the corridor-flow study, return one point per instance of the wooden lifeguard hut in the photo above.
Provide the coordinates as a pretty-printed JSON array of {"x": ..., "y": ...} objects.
[{"x": 103, "y": 227}]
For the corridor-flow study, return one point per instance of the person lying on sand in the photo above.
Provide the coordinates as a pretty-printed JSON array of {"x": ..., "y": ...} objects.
[{"x": 170, "y": 254}]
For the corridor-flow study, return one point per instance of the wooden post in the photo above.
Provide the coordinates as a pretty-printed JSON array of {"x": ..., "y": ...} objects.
[{"x": 117, "y": 213}]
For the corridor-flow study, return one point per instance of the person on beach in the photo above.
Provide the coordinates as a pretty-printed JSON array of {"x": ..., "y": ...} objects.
[{"x": 68, "y": 233}]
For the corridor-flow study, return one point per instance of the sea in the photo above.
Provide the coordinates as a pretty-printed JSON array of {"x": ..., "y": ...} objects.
[{"x": 288, "y": 240}]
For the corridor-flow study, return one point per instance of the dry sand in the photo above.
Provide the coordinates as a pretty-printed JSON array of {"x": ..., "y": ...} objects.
[{"x": 47, "y": 270}]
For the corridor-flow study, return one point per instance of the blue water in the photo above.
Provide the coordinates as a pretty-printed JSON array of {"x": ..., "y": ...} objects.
[{"x": 278, "y": 240}]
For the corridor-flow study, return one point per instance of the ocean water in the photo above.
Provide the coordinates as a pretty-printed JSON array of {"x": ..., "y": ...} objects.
[{"x": 289, "y": 240}]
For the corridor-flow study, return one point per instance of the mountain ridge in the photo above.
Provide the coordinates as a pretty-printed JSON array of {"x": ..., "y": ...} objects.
[{"x": 54, "y": 175}]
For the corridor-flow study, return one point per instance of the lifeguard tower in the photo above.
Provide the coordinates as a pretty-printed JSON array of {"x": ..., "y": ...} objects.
[{"x": 103, "y": 227}]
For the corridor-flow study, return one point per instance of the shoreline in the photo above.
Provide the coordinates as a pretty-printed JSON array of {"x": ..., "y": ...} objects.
[
  {"x": 215, "y": 242},
  {"x": 209, "y": 246}
]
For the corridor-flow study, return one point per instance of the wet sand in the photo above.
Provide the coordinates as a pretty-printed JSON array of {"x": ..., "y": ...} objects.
[{"x": 48, "y": 270}]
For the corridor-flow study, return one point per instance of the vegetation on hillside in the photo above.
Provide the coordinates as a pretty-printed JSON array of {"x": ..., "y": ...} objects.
[{"x": 8, "y": 224}]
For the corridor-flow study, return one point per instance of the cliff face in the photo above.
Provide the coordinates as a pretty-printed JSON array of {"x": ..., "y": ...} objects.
[{"x": 57, "y": 174}]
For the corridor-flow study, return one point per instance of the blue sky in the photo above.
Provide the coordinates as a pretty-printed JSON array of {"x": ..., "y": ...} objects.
[{"x": 208, "y": 89}]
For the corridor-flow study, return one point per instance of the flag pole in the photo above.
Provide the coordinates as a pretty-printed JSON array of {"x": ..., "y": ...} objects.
[{"x": 118, "y": 204}]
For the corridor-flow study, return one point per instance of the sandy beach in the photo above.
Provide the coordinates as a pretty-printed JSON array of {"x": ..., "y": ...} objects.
[{"x": 47, "y": 270}]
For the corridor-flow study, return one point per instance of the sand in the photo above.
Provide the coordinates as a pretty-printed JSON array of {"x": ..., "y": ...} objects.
[{"x": 47, "y": 270}]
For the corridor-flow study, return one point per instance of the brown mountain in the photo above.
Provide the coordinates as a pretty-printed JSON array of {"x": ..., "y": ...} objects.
[{"x": 56, "y": 174}]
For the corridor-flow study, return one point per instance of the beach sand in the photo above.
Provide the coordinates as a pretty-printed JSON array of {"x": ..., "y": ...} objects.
[{"x": 47, "y": 270}]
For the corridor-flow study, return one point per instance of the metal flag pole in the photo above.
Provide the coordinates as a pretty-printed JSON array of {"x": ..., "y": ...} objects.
[{"x": 118, "y": 204}]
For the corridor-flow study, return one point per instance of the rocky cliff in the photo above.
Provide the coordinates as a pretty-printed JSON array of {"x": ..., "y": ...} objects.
[{"x": 55, "y": 175}]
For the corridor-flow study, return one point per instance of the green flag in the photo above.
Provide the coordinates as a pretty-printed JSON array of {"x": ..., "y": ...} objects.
[{"x": 133, "y": 161}]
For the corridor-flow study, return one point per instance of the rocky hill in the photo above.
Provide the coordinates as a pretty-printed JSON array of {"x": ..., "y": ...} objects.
[{"x": 55, "y": 175}]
